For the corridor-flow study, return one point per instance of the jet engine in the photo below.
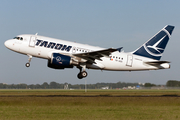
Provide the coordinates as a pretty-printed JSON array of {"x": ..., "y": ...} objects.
[{"x": 59, "y": 61}]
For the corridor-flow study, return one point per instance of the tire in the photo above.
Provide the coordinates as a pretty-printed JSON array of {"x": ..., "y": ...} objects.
[
  {"x": 84, "y": 74},
  {"x": 27, "y": 64},
  {"x": 79, "y": 76}
]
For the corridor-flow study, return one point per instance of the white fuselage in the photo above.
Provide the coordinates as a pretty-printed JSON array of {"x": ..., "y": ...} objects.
[{"x": 117, "y": 61}]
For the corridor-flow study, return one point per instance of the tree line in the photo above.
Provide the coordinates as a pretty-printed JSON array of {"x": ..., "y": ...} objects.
[
  {"x": 173, "y": 83},
  {"x": 55, "y": 85},
  {"x": 169, "y": 83}
]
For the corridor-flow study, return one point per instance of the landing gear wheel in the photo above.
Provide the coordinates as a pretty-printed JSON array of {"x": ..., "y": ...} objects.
[
  {"x": 79, "y": 76},
  {"x": 27, "y": 64},
  {"x": 84, "y": 74}
]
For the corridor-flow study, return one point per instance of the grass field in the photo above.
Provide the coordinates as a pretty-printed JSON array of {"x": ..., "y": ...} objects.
[{"x": 94, "y": 104}]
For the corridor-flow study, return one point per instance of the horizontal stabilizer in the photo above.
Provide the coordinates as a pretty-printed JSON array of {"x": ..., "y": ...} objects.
[{"x": 156, "y": 62}]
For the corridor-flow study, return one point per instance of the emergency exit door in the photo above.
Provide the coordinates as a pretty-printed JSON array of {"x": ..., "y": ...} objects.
[{"x": 129, "y": 60}]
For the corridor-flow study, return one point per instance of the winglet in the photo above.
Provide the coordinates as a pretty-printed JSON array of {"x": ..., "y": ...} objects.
[{"x": 119, "y": 49}]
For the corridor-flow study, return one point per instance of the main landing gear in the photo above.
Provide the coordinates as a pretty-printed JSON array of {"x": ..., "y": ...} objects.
[
  {"x": 82, "y": 73},
  {"x": 28, "y": 64}
]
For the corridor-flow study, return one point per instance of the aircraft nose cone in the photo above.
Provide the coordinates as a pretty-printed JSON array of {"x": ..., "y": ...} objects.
[{"x": 7, "y": 43}]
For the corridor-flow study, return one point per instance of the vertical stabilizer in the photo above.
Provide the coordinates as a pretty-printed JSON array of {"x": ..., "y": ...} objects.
[{"x": 155, "y": 47}]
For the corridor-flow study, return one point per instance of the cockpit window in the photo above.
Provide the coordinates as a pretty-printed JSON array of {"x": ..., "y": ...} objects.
[{"x": 18, "y": 38}]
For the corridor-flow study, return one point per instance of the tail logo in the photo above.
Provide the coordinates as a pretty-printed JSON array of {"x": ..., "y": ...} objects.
[
  {"x": 156, "y": 45},
  {"x": 157, "y": 48}
]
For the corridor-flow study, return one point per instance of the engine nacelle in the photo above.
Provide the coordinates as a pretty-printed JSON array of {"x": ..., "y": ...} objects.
[{"x": 59, "y": 61}]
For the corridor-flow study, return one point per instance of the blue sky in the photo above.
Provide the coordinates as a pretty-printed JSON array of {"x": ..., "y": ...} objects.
[{"x": 104, "y": 23}]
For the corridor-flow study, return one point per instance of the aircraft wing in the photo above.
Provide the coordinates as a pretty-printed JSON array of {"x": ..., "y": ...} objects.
[{"x": 91, "y": 56}]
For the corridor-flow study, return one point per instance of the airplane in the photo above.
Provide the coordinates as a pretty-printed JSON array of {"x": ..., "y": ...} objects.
[{"x": 63, "y": 54}]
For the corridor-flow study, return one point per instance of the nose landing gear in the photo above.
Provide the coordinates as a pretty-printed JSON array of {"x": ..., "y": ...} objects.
[{"x": 28, "y": 63}]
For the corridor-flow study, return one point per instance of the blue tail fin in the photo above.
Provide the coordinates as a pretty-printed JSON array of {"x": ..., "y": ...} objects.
[{"x": 154, "y": 47}]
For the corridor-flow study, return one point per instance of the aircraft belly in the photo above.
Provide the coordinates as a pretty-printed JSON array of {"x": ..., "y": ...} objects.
[
  {"x": 122, "y": 66},
  {"x": 96, "y": 65}
]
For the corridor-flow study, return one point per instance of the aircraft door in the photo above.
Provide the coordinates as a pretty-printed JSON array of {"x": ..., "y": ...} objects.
[
  {"x": 74, "y": 50},
  {"x": 129, "y": 60},
  {"x": 32, "y": 41}
]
